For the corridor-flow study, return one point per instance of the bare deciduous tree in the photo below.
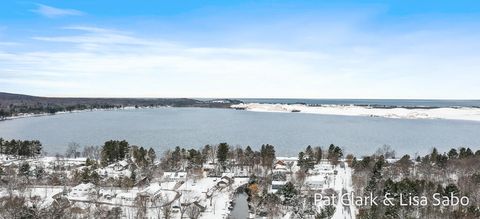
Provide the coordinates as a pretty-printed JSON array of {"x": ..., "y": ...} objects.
[
  {"x": 92, "y": 152},
  {"x": 72, "y": 150},
  {"x": 193, "y": 211}
]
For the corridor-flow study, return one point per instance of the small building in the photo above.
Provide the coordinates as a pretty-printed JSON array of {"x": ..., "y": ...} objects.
[
  {"x": 82, "y": 190},
  {"x": 152, "y": 191},
  {"x": 175, "y": 176},
  {"x": 143, "y": 182},
  {"x": 239, "y": 173},
  {"x": 323, "y": 168},
  {"x": 120, "y": 166},
  {"x": 209, "y": 167},
  {"x": 107, "y": 194},
  {"x": 280, "y": 167},
  {"x": 317, "y": 182},
  {"x": 277, "y": 185}
]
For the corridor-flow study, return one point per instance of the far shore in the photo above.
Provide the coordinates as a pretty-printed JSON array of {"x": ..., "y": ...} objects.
[
  {"x": 448, "y": 113},
  {"x": 29, "y": 115}
]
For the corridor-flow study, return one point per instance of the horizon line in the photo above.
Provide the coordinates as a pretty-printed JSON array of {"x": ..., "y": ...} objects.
[{"x": 276, "y": 98}]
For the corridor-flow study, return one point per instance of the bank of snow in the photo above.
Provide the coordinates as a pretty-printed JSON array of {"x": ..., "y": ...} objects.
[{"x": 460, "y": 113}]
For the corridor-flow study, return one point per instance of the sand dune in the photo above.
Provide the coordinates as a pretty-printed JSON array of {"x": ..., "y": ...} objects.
[{"x": 463, "y": 113}]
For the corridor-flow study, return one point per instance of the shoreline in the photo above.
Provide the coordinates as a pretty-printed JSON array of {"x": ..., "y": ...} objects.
[
  {"x": 30, "y": 115},
  {"x": 391, "y": 112}
]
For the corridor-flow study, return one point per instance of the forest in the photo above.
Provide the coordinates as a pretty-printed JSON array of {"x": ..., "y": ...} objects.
[{"x": 18, "y": 104}]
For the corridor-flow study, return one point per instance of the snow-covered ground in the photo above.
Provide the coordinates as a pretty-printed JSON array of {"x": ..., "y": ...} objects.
[
  {"x": 86, "y": 195},
  {"x": 461, "y": 113},
  {"x": 208, "y": 192},
  {"x": 325, "y": 177},
  {"x": 218, "y": 206},
  {"x": 342, "y": 184}
]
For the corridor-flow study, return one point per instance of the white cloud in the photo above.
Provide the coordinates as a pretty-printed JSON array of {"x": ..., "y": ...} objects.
[
  {"x": 52, "y": 12},
  {"x": 105, "y": 62}
]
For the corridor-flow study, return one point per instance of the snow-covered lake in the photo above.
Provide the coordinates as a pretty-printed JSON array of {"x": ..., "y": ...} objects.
[{"x": 163, "y": 128}]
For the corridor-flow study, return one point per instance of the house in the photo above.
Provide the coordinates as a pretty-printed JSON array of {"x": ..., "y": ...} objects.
[
  {"x": 119, "y": 166},
  {"x": 280, "y": 162},
  {"x": 209, "y": 167},
  {"x": 151, "y": 191},
  {"x": 285, "y": 163},
  {"x": 107, "y": 194},
  {"x": 143, "y": 182},
  {"x": 241, "y": 173},
  {"x": 323, "y": 168},
  {"x": 279, "y": 167},
  {"x": 317, "y": 182},
  {"x": 175, "y": 176},
  {"x": 279, "y": 176},
  {"x": 82, "y": 190},
  {"x": 276, "y": 185}
]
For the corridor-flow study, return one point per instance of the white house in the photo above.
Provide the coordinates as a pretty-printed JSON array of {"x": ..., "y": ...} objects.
[
  {"x": 323, "y": 168},
  {"x": 119, "y": 166},
  {"x": 276, "y": 185},
  {"x": 278, "y": 168},
  {"x": 82, "y": 190}
]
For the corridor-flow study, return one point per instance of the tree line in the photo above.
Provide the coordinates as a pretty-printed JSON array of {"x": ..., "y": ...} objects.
[
  {"x": 222, "y": 154},
  {"x": 113, "y": 151},
  {"x": 17, "y": 104},
  {"x": 313, "y": 155},
  {"x": 13, "y": 110},
  {"x": 21, "y": 148}
]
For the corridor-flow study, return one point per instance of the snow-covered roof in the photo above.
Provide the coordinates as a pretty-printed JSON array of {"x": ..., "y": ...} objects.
[
  {"x": 280, "y": 166},
  {"x": 391, "y": 160},
  {"x": 315, "y": 179},
  {"x": 323, "y": 168},
  {"x": 208, "y": 166},
  {"x": 153, "y": 189},
  {"x": 84, "y": 186},
  {"x": 123, "y": 163},
  {"x": 107, "y": 192},
  {"x": 279, "y": 182}
]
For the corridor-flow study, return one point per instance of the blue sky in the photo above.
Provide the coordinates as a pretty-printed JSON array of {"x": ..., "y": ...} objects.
[{"x": 291, "y": 49}]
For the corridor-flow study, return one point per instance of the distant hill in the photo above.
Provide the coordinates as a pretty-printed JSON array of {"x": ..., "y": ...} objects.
[
  {"x": 10, "y": 96},
  {"x": 16, "y": 104}
]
